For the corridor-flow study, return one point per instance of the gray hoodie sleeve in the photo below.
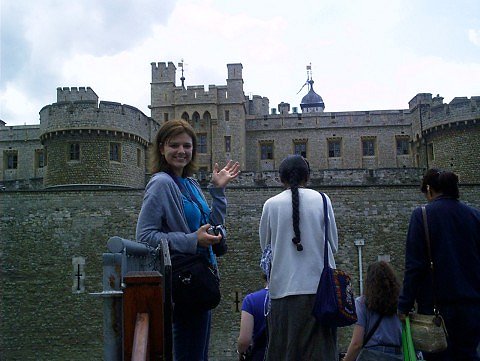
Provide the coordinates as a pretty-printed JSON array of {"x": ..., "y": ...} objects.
[{"x": 162, "y": 216}]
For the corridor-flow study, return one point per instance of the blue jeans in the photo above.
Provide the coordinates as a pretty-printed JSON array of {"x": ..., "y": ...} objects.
[
  {"x": 463, "y": 326},
  {"x": 191, "y": 334}
]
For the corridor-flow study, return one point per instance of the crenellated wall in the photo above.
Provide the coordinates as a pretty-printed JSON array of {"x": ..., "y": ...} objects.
[
  {"x": 41, "y": 231},
  {"x": 76, "y": 94},
  {"x": 87, "y": 115},
  {"x": 95, "y": 129}
]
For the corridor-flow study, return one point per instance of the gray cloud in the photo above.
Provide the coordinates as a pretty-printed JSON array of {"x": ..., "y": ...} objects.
[{"x": 37, "y": 37}]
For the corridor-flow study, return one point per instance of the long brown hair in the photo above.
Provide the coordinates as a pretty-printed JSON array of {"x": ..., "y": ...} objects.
[
  {"x": 168, "y": 130},
  {"x": 381, "y": 288}
]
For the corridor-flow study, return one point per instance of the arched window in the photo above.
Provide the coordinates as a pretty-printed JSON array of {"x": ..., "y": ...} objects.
[
  {"x": 207, "y": 117},
  {"x": 185, "y": 116},
  {"x": 196, "y": 117}
]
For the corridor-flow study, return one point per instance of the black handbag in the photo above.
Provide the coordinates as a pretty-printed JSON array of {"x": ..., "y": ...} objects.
[{"x": 195, "y": 284}]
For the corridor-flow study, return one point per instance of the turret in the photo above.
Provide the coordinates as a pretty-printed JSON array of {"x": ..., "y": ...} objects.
[{"x": 74, "y": 94}]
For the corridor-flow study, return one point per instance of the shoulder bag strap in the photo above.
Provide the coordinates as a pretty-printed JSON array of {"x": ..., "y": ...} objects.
[
  {"x": 372, "y": 330},
  {"x": 190, "y": 196},
  {"x": 325, "y": 216},
  {"x": 430, "y": 259}
]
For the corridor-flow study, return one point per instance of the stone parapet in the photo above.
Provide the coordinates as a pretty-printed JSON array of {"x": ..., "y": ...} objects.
[
  {"x": 329, "y": 120},
  {"x": 85, "y": 115},
  {"x": 334, "y": 178}
]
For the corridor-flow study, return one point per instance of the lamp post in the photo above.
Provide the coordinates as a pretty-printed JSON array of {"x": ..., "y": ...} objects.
[{"x": 360, "y": 243}]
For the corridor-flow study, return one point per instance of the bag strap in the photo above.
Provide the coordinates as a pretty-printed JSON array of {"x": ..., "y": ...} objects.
[
  {"x": 191, "y": 197},
  {"x": 325, "y": 216},
  {"x": 430, "y": 259},
  {"x": 372, "y": 330}
]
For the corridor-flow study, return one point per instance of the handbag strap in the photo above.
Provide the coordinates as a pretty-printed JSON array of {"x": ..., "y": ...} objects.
[
  {"x": 191, "y": 197},
  {"x": 430, "y": 259},
  {"x": 325, "y": 216},
  {"x": 372, "y": 330}
]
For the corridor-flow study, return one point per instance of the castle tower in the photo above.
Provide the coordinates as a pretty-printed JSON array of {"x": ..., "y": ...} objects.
[
  {"x": 217, "y": 114},
  {"x": 439, "y": 128},
  {"x": 231, "y": 121},
  {"x": 93, "y": 144},
  {"x": 312, "y": 102},
  {"x": 163, "y": 91}
]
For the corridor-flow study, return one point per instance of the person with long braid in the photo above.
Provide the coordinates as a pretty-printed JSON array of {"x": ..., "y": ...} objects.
[{"x": 292, "y": 223}]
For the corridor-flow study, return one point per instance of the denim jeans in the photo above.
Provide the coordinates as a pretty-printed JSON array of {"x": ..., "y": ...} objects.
[
  {"x": 191, "y": 334},
  {"x": 463, "y": 326}
]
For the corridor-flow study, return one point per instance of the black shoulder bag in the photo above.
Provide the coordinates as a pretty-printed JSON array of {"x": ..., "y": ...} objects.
[{"x": 195, "y": 283}]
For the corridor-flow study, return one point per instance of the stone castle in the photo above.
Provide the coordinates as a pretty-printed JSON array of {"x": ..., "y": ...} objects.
[
  {"x": 78, "y": 177},
  {"x": 81, "y": 141}
]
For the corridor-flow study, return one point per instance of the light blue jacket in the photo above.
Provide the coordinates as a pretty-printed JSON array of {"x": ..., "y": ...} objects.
[{"x": 163, "y": 217}]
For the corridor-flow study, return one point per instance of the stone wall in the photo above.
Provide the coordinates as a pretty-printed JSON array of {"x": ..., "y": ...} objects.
[
  {"x": 94, "y": 165},
  {"x": 24, "y": 141},
  {"x": 40, "y": 232}
]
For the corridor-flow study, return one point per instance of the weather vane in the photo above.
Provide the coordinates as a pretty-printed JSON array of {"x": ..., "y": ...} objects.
[
  {"x": 182, "y": 78},
  {"x": 309, "y": 77}
]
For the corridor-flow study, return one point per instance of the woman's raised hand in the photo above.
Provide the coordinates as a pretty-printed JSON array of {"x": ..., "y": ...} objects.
[{"x": 220, "y": 178}]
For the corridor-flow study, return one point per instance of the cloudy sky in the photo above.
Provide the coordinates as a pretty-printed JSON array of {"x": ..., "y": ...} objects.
[{"x": 365, "y": 54}]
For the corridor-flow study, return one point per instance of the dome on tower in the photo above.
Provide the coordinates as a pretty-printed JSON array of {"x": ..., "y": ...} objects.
[{"x": 312, "y": 102}]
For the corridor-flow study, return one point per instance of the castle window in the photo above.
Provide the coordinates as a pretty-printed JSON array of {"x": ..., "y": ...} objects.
[
  {"x": 74, "y": 151},
  {"x": 115, "y": 152},
  {"x": 202, "y": 143},
  {"x": 228, "y": 143},
  {"x": 139, "y": 157},
  {"x": 196, "y": 117},
  {"x": 165, "y": 117},
  {"x": 207, "y": 117},
  {"x": 402, "y": 146},
  {"x": 40, "y": 158},
  {"x": 227, "y": 115},
  {"x": 185, "y": 116},
  {"x": 11, "y": 159},
  {"x": 300, "y": 148},
  {"x": 266, "y": 150},
  {"x": 368, "y": 147},
  {"x": 334, "y": 148},
  {"x": 430, "y": 152}
]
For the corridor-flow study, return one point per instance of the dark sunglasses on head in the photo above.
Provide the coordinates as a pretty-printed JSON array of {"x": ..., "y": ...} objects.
[{"x": 297, "y": 243}]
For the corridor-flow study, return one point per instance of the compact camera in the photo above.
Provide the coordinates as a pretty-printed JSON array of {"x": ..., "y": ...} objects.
[
  {"x": 219, "y": 248},
  {"x": 217, "y": 230}
]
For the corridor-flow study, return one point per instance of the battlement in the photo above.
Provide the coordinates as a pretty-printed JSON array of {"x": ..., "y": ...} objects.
[
  {"x": 258, "y": 105},
  {"x": 420, "y": 99},
  {"x": 161, "y": 72},
  {"x": 337, "y": 120},
  {"x": 460, "y": 109},
  {"x": 76, "y": 94},
  {"x": 196, "y": 94},
  {"x": 83, "y": 114},
  {"x": 336, "y": 177}
]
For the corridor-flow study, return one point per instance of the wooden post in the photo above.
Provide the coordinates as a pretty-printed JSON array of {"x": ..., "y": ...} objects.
[
  {"x": 140, "y": 340},
  {"x": 143, "y": 294}
]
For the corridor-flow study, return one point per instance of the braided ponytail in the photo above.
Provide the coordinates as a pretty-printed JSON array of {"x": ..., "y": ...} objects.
[{"x": 294, "y": 171}]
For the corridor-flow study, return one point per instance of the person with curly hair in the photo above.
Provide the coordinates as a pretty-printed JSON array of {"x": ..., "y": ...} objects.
[
  {"x": 377, "y": 315},
  {"x": 292, "y": 223}
]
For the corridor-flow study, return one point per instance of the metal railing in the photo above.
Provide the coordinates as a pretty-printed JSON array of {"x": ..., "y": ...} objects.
[{"x": 125, "y": 256}]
